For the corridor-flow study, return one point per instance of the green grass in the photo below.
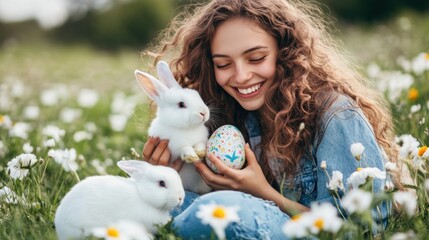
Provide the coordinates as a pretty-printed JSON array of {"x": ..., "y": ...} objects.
[{"x": 39, "y": 66}]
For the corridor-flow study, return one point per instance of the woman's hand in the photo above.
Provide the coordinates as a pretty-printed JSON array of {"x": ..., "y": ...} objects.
[
  {"x": 156, "y": 152},
  {"x": 249, "y": 179}
]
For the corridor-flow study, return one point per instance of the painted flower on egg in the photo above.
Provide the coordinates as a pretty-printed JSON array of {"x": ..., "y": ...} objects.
[{"x": 227, "y": 144}]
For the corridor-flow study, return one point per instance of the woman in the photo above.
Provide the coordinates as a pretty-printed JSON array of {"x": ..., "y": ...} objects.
[{"x": 271, "y": 69}]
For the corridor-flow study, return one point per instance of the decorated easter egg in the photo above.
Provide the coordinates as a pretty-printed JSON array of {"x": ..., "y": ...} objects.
[{"x": 227, "y": 144}]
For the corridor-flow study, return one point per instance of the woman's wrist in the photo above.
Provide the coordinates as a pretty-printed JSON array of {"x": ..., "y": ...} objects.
[{"x": 286, "y": 205}]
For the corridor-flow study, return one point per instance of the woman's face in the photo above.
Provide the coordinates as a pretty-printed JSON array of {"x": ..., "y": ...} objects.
[{"x": 244, "y": 58}]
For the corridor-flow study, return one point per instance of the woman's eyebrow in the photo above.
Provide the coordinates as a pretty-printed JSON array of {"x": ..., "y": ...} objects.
[{"x": 245, "y": 52}]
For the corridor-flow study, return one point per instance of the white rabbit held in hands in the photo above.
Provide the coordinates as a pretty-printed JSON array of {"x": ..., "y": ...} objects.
[
  {"x": 180, "y": 118},
  {"x": 146, "y": 198}
]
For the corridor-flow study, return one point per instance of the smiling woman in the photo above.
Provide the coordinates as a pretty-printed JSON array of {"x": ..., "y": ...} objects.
[
  {"x": 274, "y": 71},
  {"x": 245, "y": 67}
]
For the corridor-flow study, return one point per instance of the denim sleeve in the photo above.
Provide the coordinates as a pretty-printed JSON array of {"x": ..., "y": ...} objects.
[{"x": 342, "y": 129}]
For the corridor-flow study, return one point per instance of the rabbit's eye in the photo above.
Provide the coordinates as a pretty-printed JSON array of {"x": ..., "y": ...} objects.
[
  {"x": 181, "y": 105},
  {"x": 161, "y": 184}
]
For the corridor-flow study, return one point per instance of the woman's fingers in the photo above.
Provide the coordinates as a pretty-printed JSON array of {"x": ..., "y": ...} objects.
[
  {"x": 156, "y": 151},
  {"x": 177, "y": 164}
]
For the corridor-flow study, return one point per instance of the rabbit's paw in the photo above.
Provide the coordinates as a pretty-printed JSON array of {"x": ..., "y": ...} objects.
[
  {"x": 200, "y": 149},
  {"x": 188, "y": 155}
]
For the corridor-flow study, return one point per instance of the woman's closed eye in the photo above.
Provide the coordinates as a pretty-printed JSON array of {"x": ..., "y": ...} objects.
[
  {"x": 221, "y": 66},
  {"x": 257, "y": 59}
]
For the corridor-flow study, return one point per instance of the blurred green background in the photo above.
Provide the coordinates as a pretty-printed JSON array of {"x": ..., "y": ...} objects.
[{"x": 113, "y": 24}]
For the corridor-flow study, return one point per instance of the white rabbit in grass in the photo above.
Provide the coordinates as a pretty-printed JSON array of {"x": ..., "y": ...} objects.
[
  {"x": 180, "y": 118},
  {"x": 146, "y": 198}
]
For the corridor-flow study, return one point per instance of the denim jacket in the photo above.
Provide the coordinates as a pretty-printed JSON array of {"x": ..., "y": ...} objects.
[{"x": 342, "y": 125}]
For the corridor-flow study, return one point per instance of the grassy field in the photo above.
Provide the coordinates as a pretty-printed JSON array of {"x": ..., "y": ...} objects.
[{"x": 86, "y": 105}]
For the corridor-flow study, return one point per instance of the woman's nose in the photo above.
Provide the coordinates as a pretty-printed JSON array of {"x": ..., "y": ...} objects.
[{"x": 242, "y": 72}]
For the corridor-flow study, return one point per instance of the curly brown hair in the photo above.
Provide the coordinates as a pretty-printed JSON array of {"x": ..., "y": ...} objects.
[{"x": 309, "y": 65}]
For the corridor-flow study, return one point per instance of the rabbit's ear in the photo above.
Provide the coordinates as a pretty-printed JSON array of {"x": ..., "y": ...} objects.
[
  {"x": 150, "y": 85},
  {"x": 166, "y": 76},
  {"x": 134, "y": 168}
]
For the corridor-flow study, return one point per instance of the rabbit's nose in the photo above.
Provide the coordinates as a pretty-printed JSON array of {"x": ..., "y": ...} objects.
[{"x": 203, "y": 114}]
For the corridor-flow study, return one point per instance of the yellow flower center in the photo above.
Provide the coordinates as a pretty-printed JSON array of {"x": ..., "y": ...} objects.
[
  {"x": 1, "y": 118},
  {"x": 422, "y": 150},
  {"x": 358, "y": 169},
  {"x": 112, "y": 232},
  {"x": 427, "y": 56},
  {"x": 319, "y": 223},
  {"x": 413, "y": 94},
  {"x": 296, "y": 217},
  {"x": 219, "y": 212}
]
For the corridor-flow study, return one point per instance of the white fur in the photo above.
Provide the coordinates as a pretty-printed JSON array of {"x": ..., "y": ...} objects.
[
  {"x": 98, "y": 201},
  {"x": 183, "y": 127}
]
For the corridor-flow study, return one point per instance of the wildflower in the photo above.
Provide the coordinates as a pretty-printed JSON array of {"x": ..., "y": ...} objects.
[
  {"x": 66, "y": 158},
  {"x": 49, "y": 97},
  {"x": 360, "y": 176},
  {"x": 357, "y": 201},
  {"x": 87, "y": 98},
  {"x": 8, "y": 196},
  {"x": 19, "y": 166},
  {"x": 218, "y": 217},
  {"x": 406, "y": 201},
  {"x": 100, "y": 167},
  {"x": 80, "y": 136},
  {"x": 390, "y": 166},
  {"x": 27, "y": 148},
  {"x": 357, "y": 150},
  {"x": 415, "y": 108},
  {"x": 296, "y": 227},
  {"x": 324, "y": 217},
  {"x": 321, "y": 217},
  {"x": 122, "y": 230},
  {"x": 20, "y": 130},
  {"x": 420, "y": 63},
  {"x": 404, "y": 236},
  {"x": 118, "y": 122},
  {"x": 407, "y": 144},
  {"x": 422, "y": 151},
  {"x": 5, "y": 121},
  {"x": 323, "y": 165},
  {"x": 413, "y": 94},
  {"x": 336, "y": 182},
  {"x": 49, "y": 143},
  {"x": 69, "y": 115},
  {"x": 31, "y": 112},
  {"x": 54, "y": 132}
]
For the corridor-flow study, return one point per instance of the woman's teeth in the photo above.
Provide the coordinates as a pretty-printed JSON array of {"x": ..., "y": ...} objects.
[{"x": 249, "y": 90}]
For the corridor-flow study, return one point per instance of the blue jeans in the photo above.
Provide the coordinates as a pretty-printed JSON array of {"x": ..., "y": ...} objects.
[{"x": 259, "y": 219}]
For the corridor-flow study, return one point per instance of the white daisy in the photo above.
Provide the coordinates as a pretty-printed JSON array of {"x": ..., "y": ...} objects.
[
  {"x": 80, "y": 136},
  {"x": 87, "y": 98},
  {"x": 336, "y": 182},
  {"x": 390, "y": 166},
  {"x": 69, "y": 115},
  {"x": 5, "y": 121},
  {"x": 360, "y": 176},
  {"x": 20, "y": 130},
  {"x": 324, "y": 217},
  {"x": 8, "y": 196},
  {"x": 49, "y": 143},
  {"x": 357, "y": 201},
  {"x": 323, "y": 165},
  {"x": 31, "y": 112},
  {"x": 53, "y": 132},
  {"x": 218, "y": 217},
  {"x": 27, "y": 148},
  {"x": 297, "y": 226},
  {"x": 407, "y": 201},
  {"x": 122, "y": 230},
  {"x": 19, "y": 166},
  {"x": 118, "y": 122},
  {"x": 357, "y": 150},
  {"x": 66, "y": 158}
]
